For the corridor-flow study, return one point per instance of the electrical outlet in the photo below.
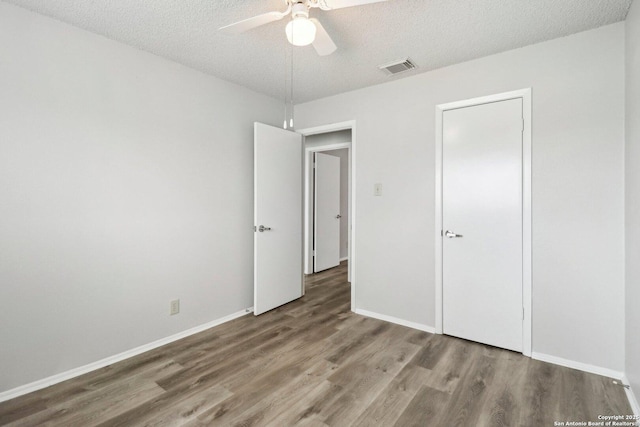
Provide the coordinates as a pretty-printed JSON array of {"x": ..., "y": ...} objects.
[
  {"x": 175, "y": 307},
  {"x": 377, "y": 190}
]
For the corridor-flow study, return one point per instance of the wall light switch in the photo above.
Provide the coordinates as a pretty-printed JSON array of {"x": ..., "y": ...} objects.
[
  {"x": 175, "y": 307},
  {"x": 377, "y": 189}
]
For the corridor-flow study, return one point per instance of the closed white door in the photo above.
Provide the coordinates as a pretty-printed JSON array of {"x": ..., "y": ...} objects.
[
  {"x": 482, "y": 223},
  {"x": 326, "y": 212},
  {"x": 277, "y": 217}
]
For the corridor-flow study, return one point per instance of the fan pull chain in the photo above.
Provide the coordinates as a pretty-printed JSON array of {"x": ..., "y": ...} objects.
[
  {"x": 286, "y": 71},
  {"x": 288, "y": 88},
  {"x": 291, "y": 97}
]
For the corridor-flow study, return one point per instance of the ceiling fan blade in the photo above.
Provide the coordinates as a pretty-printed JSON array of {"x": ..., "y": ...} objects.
[
  {"x": 322, "y": 43},
  {"x": 251, "y": 23},
  {"x": 339, "y": 4}
]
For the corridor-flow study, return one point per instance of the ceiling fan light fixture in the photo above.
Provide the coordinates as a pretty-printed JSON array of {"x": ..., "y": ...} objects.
[{"x": 300, "y": 31}]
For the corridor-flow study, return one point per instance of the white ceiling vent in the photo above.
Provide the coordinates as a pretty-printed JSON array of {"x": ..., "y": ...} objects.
[{"x": 398, "y": 66}]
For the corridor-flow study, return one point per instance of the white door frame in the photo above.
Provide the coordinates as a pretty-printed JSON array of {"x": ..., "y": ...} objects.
[
  {"x": 525, "y": 95},
  {"x": 308, "y": 158}
]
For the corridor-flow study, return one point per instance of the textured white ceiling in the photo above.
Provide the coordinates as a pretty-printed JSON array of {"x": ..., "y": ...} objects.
[{"x": 434, "y": 33}]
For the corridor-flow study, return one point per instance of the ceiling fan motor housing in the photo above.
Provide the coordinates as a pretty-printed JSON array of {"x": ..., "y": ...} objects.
[{"x": 299, "y": 10}]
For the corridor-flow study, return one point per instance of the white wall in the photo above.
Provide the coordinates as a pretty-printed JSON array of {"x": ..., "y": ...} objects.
[
  {"x": 632, "y": 169},
  {"x": 327, "y": 138},
  {"x": 126, "y": 181},
  {"x": 578, "y": 187}
]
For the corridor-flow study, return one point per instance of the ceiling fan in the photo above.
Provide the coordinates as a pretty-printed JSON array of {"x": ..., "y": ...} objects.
[{"x": 301, "y": 30}]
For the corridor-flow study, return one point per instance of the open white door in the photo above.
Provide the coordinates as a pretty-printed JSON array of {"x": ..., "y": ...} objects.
[
  {"x": 277, "y": 217},
  {"x": 326, "y": 212},
  {"x": 482, "y": 217}
]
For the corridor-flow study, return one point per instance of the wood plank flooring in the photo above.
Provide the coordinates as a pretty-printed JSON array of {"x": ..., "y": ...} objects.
[{"x": 314, "y": 363}]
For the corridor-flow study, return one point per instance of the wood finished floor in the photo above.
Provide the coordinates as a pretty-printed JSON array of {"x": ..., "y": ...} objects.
[{"x": 314, "y": 363}]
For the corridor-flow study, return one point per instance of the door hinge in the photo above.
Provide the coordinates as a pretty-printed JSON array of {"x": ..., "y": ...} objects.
[
  {"x": 522, "y": 313},
  {"x": 523, "y": 125}
]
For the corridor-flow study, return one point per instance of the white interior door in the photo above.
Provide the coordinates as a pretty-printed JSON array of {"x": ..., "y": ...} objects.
[
  {"x": 277, "y": 217},
  {"x": 482, "y": 223},
  {"x": 326, "y": 212}
]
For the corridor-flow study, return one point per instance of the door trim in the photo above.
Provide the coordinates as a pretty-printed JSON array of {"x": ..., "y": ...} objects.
[
  {"x": 351, "y": 124},
  {"x": 525, "y": 95}
]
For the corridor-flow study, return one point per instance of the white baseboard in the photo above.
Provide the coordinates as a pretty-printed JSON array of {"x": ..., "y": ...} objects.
[
  {"x": 598, "y": 370},
  {"x": 63, "y": 376},
  {"x": 344, "y": 259},
  {"x": 396, "y": 320},
  {"x": 633, "y": 401},
  {"x": 617, "y": 375}
]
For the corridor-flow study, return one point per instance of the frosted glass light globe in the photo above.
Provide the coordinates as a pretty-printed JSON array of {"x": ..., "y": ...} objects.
[{"x": 300, "y": 31}]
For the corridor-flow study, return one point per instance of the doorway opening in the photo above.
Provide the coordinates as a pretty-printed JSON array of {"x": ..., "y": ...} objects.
[{"x": 335, "y": 141}]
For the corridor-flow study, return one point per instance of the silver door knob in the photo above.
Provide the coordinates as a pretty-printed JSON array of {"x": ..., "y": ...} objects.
[
  {"x": 262, "y": 228},
  {"x": 338, "y": 216},
  {"x": 451, "y": 234}
]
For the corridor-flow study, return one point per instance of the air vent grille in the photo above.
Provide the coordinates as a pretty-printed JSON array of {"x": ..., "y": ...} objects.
[{"x": 398, "y": 66}]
